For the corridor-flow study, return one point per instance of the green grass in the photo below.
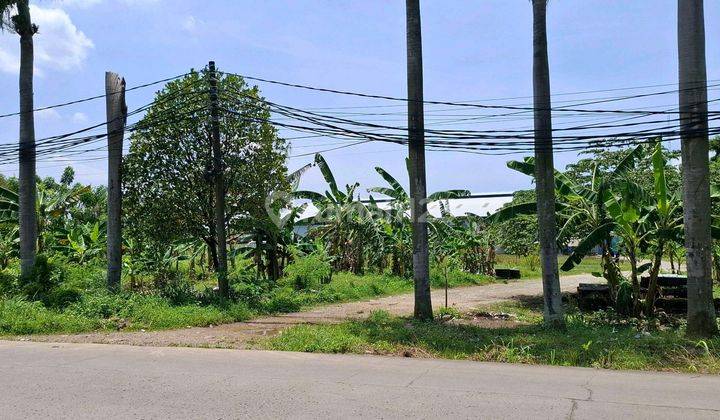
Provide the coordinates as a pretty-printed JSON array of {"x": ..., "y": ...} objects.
[
  {"x": 587, "y": 341},
  {"x": 97, "y": 310},
  {"x": 93, "y": 309},
  {"x": 530, "y": 266},
  {"x": 347, "y": 287},
  {"x": 105, "y": 312}
]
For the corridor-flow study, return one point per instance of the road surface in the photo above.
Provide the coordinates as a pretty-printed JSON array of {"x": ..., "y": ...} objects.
[
  {"x": 240, "y": 335},
  {"x": 44, "y": 380}
]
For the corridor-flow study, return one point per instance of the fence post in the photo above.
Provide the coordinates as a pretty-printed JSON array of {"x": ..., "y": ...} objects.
[
  {"x": 219, "y": 184},
  {"x": 116, "y": 116}
]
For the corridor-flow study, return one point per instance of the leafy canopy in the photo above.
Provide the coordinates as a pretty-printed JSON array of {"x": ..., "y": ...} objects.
[{"x": 168, "y": 183}]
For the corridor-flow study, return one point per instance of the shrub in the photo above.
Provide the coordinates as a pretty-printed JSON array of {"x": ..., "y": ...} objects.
[
  {"x": 63, "y": 296},
  {"x": 176, "y": 288},
  {"x": 8, "y": 283},
  {"x": 42, "y": 279},
  {"x": 308, "y": 272},
  {"x": 102, "y": 305},
  {"x": 283, "y": 300}
]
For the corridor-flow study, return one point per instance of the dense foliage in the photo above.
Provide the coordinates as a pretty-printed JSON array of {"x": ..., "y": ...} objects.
[
  {"x": 291, "y": 248},
  {"x": 167, "y": 184}
]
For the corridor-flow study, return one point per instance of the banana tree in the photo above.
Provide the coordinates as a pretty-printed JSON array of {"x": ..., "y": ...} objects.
[
  {"x": 581, "y": 209},
  {"x": 397, "y": 226},
  {"x": 52, "y": 207},
  {"x": 644, "y": 221},
  {"x": 84, "y": 242},
  {"x": 343, "y": 221},
  {"x": 666, "y": 223}
]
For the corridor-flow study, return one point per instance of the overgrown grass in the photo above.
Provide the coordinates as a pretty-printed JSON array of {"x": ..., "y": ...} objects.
[
  {"x": 346, "y": 287},
  {"x": 181, "y": 305},
  {"x": 585, "y": 342},
  {"x": 88, "y": 307},
  {"x": 105, "y": 312},
  {"x": 530, "y": 266}
]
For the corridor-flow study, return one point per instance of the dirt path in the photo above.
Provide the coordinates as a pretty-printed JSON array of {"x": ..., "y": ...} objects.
[{"x": 242, "y": 334}]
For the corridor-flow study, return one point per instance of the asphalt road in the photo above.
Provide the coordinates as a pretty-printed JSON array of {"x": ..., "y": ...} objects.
[{"x": 45, "y": 380}]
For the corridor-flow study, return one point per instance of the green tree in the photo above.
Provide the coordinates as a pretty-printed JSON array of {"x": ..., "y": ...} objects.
[
  {"x": 343, "y": 221},
  {"x": 606, "y": 161},
  {"x": 68, "y": 176},
  {"x": 167, "y": 184}
]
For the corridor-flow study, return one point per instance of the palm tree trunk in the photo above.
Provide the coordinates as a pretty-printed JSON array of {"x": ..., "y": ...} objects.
[
  {"x": 27, "y": 187},
  {"x": 544, "y": 169},
  {"x": 416, "y": 153},
  {"x": 696, "y": 186}
]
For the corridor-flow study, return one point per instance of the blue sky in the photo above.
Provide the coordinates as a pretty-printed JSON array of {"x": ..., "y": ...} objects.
[{"x": 473, "y": 50}]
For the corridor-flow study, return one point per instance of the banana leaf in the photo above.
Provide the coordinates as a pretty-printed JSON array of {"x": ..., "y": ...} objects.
[{"x": 594, "y": 239}]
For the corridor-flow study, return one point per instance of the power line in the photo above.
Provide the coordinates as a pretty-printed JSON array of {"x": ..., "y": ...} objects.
[
  {"x": 91, "y": 98},
  {"x": 458, "y": 104}
]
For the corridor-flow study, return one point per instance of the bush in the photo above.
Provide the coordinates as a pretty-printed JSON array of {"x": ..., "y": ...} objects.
[
  {"x": 63, "y": 296},
  {"x": 176, "y": 288},
  {"x": 45, "y": 276},
  {"x": 102, "y": 305},
  {"x": 308, "y": 272},
  {"x": 8, "y": 284},
  {"x": 283, "y": 300}
]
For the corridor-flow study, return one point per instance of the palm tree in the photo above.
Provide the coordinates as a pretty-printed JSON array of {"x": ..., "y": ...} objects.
[
  {"x": 544, "y": 186},
  {"x": 696, "y": 185},
  {"x": 23, "y": 26},
  {"x": 416, "y": 153}
]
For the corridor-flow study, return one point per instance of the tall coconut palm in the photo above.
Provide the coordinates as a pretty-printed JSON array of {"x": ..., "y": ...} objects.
[
  {"x": 696, "y": 185},
  {"x": 544, "y": 176},
  {"x": 15, "y": 15},
  {"x": 416, "y": 153}
]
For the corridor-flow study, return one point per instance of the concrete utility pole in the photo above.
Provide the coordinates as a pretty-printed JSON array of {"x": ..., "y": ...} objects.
[
  {"x": 695, "y": 167},
  {"x": 219, "y": 184},
  {"x": 544, "y": 169},
  {"x": 116, "y": 116},
  {"x": 416, "y": 154}
]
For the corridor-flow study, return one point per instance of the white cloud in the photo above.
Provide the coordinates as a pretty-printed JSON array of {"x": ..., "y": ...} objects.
[
  {"x": 59, "y": 44},
  {"x": 80, "y": 118},
  {"x": 76, "y": 3},
  {"x": 89, "y": 3},
  {"x": 191, "y": 24},
  {"x": 48, "y": 115},
  {"x": 8, "y": 62}
]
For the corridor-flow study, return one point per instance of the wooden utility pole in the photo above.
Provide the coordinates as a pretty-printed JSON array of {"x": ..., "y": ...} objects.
[
  {"x": 116, "y": 116},
  {"x": 544, "y": 169},
  {"x": 416, "y": 154},
  {"x": 695, "y": 167},
  {"x": 219, "y": 184}
]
